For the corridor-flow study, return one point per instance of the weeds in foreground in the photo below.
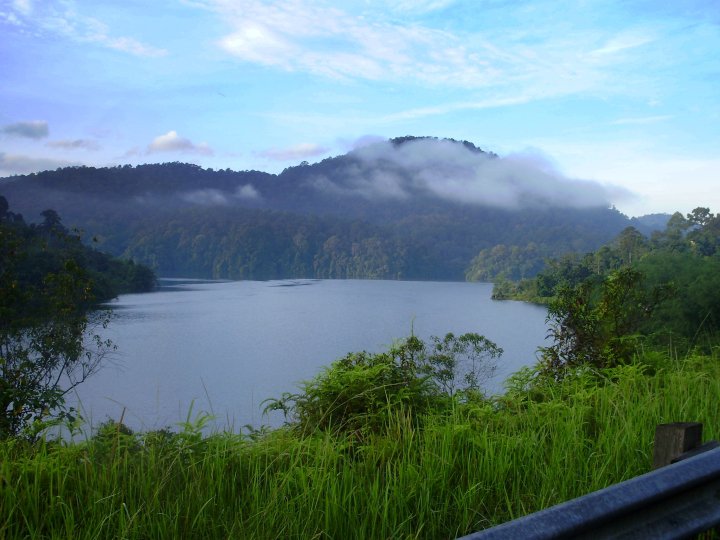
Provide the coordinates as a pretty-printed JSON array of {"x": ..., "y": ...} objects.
[{"x": 463, "y": 469}]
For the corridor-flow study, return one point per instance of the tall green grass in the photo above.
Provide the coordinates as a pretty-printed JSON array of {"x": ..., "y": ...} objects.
[{"x": 463, "y": 470}]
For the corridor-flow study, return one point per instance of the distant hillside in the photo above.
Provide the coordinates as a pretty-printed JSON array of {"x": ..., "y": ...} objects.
[
  {"x": 650, "y": 223},
  {"x": 408, "y": 208},
  {"x": 31, "y": 253}
]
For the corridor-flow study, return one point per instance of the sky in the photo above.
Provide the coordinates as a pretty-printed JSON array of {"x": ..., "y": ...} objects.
[{"x": 623, "y": 93}]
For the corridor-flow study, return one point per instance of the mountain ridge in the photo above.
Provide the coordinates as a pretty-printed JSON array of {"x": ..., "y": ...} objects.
[{"x": 406, "y": 208}]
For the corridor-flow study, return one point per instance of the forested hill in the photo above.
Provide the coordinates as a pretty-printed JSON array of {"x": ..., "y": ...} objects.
[
  {"x": 40, "y": 260},
  {"x": 407, "y": 208}
]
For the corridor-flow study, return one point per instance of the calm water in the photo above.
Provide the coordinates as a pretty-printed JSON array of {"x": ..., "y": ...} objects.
[{"x": 228, "y": 346}]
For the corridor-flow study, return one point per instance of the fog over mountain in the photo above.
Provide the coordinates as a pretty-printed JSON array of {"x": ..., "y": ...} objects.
[
  {"x": 410, "y": 207},
  {"x": 463, "y": 173}
]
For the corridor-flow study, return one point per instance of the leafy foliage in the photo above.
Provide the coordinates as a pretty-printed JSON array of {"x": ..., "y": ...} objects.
[
  {"x": 43, "y": 354},
  {"x": 508, "y": 262},
  {"x": 362, "y": 392},
  {"x": 595, "y": 322},
  {"x": 460, "y": 365},
  {"x": 47, "y": 343},
  {"x": 695, "y": 306},
  {"x": 665, "y": 288}
]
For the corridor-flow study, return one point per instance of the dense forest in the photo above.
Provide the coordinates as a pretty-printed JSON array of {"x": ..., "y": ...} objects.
[
  {"x": 384, "y": 213},
  {"x": 30, "y": 252},
  {"x": 516, "y": 262},
  {"x": 667, "y": 286}
]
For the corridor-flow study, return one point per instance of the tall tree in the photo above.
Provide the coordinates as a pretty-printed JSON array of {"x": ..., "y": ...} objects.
[{"x": 46, "y": 347}]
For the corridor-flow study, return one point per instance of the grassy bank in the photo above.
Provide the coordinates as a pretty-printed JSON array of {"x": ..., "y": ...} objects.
[{"x": 475, "y": 466}]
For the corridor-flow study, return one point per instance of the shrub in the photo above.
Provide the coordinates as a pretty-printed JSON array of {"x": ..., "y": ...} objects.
[{"x": 362, "y": 391}]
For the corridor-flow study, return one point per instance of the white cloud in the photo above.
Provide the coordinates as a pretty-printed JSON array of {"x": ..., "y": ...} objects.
[
  {"x": 74, "y": 144},
  {"x": 247, "y": 191},
  {"x": 297, "y": 35},
  {"x": 622, "y": 42},
  {"x": 205, "y": 197},
  {"x": 298, "y": 151},
  {"x": 172, "y": 142},
  {"x": 525, "y": 62},
  {"x": 11, "y": 164},
  {"x": 452, "y": 171},
  {"x": 446, "y": 108},
  {"x": 216, "y": 197},
  {"x": 23, "y": 6},
  {"x": 10, "y": 18},
  {"x": 257, "y": 43},
  {"x": 663, "y": 179},
  {"x": 61, "y": 17},
  {"x": 421, "y": 6},
  {"x": 666, "y": 183},
  {"x": 135, "y": 151},
  {"x": 359, "y": 142},
  {"x": 129, "y": 45},
  {"x": 34, "y": 129}
]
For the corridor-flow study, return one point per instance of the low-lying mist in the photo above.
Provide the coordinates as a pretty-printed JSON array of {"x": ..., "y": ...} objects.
[{"x": 459, "y": 172}]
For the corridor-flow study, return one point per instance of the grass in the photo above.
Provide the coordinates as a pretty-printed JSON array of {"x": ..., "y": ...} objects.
[{"x": 463, "y": 470}]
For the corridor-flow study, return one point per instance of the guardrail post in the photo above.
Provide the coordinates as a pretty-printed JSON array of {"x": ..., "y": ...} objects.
[{"x": 673, "y": 440}]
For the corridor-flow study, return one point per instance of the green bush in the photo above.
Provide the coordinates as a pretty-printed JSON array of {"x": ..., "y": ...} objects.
[{"x": 361, "y": 392}]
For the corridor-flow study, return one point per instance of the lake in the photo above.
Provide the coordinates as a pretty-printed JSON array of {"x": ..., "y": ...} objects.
[{"x": 224, "y": 347}]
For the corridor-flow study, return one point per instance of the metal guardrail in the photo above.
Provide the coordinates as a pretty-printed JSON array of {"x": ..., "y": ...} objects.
[{"x": 676, "y": 501}]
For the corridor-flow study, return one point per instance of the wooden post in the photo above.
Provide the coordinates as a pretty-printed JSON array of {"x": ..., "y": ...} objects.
[{"x": 672, "y": 440}]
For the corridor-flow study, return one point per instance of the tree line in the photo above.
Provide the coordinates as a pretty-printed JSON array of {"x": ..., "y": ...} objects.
[{"x": 662, "y": 289}]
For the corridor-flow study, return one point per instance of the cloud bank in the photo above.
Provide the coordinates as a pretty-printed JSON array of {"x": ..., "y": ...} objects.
[
  {"x": 34, "y": 129},
  {"x": 216, "y": 197},
  {"x": 453, "y": 172}
]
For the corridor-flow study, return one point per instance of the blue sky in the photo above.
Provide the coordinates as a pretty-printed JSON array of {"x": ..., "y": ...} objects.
[{"x": 626, "y": 93}]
